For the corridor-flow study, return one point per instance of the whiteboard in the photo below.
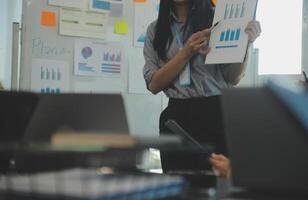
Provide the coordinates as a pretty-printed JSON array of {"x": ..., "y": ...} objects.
[{"x": 39, "y": 42}]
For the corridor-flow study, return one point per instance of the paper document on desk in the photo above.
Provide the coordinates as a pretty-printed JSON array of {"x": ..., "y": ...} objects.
[{"x": 228, "y": 40}]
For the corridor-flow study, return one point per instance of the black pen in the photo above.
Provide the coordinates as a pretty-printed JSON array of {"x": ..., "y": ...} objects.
[
  {"x": 306, "y": 78},
  {"x": 215, "y": 25}
]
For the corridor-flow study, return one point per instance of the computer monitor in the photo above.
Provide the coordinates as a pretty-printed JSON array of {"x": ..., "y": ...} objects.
[{"x": 267, "y": 145}]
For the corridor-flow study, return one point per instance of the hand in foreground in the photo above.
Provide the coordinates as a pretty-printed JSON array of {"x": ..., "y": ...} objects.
[{"x": 221, "y": 165}]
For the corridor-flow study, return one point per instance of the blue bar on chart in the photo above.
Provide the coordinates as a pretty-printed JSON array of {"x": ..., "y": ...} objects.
[
  {"x": 234, "y": 11},
  {"x": 226, "y": 11},
  {"x": 222, "y": 36},
  {"x": 243, "y": 10},
  {"x": 86, "y": 68},
  {"x": 227, "y": 35},
  {"x": 237, "y": 11},
  {"x": 50, "y": 74},
  {"x": 47, "y": 74},
  {"x": 238, "y": 34},
  {"x": 59, "y": 75},
  {"x": 230, "y": 35},
  {"x": 50, "y": 90},
  {"x": 227, "y": 46},
  {"x": 42, "y": 74},
  {"x": 53, "y": 74},
  {"x": 231, "y": 12}
]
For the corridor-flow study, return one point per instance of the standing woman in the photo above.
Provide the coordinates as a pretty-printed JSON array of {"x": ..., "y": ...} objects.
[{"x": 175, "y": 53}]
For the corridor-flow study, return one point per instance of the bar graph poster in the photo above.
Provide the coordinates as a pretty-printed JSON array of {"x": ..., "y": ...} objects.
[
  {"x": 228, "y": 40},
  {"x": 145, "y": 13},
  {"x": 95, "y": 58},
  {"x": 50, "y": 76}
]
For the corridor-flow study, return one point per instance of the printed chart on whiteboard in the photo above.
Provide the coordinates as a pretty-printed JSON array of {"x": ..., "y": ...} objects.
[
  {"x": 228, "y": 40},
  {"x": 50, "y": 76},
  {"x": 95, "y": 58},
  {"x": 145, "y": 13}
]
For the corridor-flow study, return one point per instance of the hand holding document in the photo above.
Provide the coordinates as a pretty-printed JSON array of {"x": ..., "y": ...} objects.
[
  {"x": 206, "y": 45},
  {"x": 229, "y": 41}
]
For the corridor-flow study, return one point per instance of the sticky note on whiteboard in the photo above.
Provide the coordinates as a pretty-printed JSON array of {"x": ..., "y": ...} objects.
[
  {"x": 121, "y": 27},
  {"x": 48, "y": 19},
  {"x": 100, "y": 5},
  {"x": 116, "y": 10},
  {"x": 140, "y": 1}
]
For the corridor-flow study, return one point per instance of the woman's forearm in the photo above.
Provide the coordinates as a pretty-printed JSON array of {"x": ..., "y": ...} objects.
[{"x": 165, "y": 75}]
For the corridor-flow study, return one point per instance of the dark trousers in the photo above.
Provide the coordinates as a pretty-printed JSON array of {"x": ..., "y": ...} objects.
[{"x": 202, "y": 119}]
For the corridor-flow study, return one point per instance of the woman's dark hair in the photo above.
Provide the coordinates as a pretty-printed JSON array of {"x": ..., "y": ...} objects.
[{"x": 200, "y": 17}]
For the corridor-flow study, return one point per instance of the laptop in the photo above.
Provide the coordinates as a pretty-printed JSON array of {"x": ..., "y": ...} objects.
[
  {"x": 77, "y": 112},
  {"x": 30, "y": 116},
  {"x": 16, "y": 112},
  {"x": 268, "y": 146}
]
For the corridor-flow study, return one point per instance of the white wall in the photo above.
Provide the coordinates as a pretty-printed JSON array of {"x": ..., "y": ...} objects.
[
  {"x": 3, "y": 36},
  {"x": 10, "y": 11},
  {"x": 305, "y": 37},
  {"x": 253, "y": 79}
]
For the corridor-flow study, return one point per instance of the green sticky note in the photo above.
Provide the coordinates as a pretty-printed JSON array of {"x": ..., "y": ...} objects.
[{"x": 121, "y": 27}]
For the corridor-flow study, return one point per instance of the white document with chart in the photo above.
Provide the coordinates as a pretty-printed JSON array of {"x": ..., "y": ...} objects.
[
  {"x": 97, "y": 58},
  {"x": 228, "y": 40},
  {"x": 50, "y": 76}
]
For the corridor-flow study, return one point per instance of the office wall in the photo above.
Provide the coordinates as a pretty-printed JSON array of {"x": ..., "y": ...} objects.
[
  {"x": 305, "y": 37},
  {"x": 3, "y": 36},
  {"x": 10, "y": 11}
]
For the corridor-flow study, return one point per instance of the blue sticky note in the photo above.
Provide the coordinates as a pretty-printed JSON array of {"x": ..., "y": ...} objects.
[{"x": 101, "y": 5}]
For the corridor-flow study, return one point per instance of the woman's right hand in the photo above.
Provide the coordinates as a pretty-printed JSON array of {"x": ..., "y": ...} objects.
[
  {"x": 221, "y": 165},
  {"x": 198, "y": 43}
]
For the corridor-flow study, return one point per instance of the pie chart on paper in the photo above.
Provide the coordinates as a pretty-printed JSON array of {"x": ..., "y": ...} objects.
[{"x": 86, "y": 52}]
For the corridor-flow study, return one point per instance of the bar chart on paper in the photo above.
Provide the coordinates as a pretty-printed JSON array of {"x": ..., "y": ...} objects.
[
  {"x": 49, "y": 76},
  {"x": 229, "y": 35},
  {"x": 111, "y": 62},
  {"x": 228, "y": 40}
]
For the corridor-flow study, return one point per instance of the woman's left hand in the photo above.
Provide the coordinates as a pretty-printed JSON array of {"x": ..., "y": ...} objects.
[{"x": 253, "y": 30}]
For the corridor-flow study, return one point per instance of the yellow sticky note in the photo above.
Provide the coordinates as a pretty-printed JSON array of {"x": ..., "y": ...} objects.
[
  {"x": 121, "y": 27},
  {"x": 48, "y": 19}
]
